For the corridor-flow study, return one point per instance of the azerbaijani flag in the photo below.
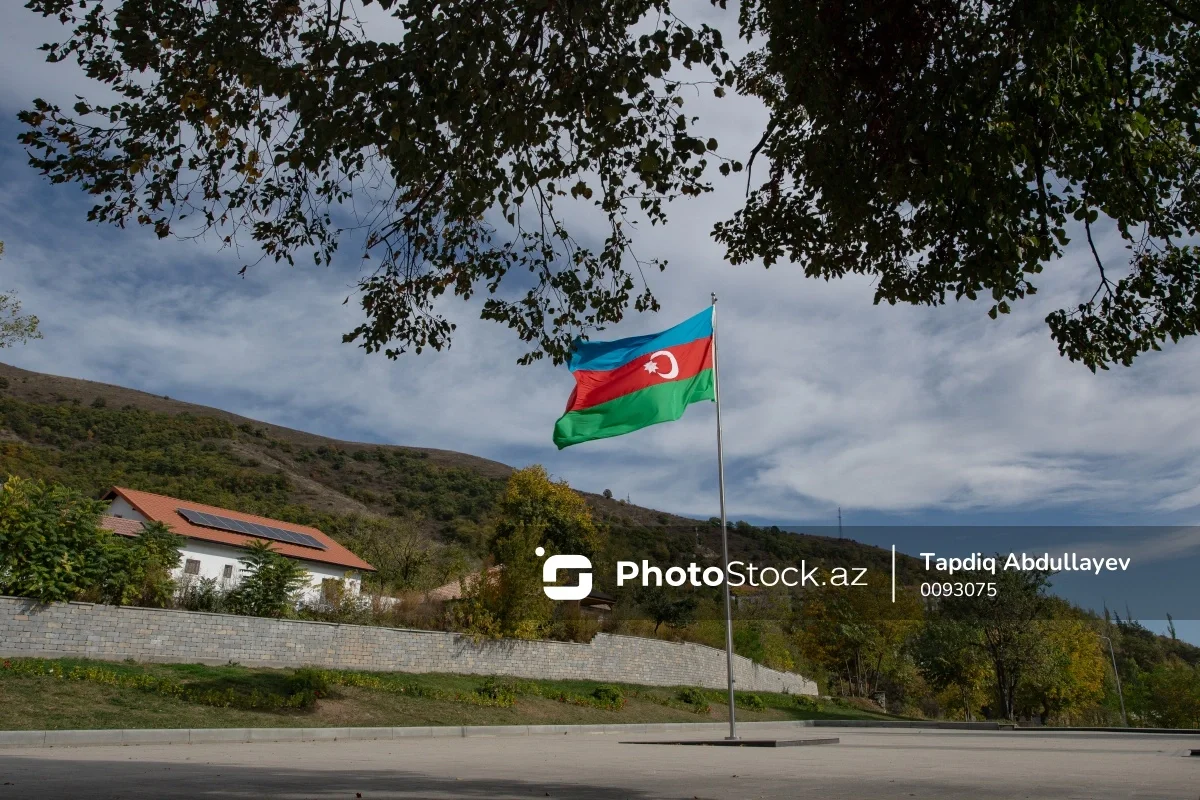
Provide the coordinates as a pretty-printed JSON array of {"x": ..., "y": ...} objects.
[{"x": 631, "y": 383}]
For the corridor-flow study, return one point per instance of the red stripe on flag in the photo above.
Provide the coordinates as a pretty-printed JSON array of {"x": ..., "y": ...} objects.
[{"x": 595, "y": 387}]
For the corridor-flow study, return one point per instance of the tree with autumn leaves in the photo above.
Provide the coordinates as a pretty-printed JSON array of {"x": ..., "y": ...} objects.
[
  {"x": 946, "y": 150},
  {"x": 505, "y": 598},
  {"x": 1022, "y": 654},
  {"x": 857, "y": 636},
  {"x": 1068, "y": 670},
  {"x": 950, "y": 659}
]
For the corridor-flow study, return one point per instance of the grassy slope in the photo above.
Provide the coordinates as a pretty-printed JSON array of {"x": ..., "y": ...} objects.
[{"x": 42, "y": 703}]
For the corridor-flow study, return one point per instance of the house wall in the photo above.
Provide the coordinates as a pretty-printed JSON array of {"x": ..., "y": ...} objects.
[
  {"x": 115, "y": 633},
  {"x": 318, "y": 572},
  {"x": 120, "y": 508},
  {"x": 214, "y": 557}
]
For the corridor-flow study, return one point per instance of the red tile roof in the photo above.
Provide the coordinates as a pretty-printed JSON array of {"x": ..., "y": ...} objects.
[
  {"x": 454, "y": 589},
  {"x": 163, "y": 509},
  {"x": 120, "y": 525}
]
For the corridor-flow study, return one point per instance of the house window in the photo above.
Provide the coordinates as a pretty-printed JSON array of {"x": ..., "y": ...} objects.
[
  {"x": 191, "y": 567},
  {"x": 227, "y": 574}
]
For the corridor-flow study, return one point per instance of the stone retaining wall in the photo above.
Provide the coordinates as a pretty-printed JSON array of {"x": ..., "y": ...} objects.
[{"x": 145, "y": 634}]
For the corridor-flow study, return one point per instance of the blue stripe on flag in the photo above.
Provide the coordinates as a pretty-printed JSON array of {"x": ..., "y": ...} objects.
[{"x": 602, "y": 356}]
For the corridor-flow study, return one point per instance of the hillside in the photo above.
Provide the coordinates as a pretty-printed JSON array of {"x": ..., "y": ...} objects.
[{"x": 376, "y": 499}]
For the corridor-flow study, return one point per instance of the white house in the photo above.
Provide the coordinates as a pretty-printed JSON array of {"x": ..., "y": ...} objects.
[{"x": 216, "y": 538}]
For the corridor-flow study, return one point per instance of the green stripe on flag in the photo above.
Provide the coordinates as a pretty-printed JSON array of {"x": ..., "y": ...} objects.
[{"x": 663, "y": 402}]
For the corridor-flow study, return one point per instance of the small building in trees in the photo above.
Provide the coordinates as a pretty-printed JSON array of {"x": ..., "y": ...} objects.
[
  {"x": 597, "y": 603},
  {"x": 215, "y": 540}
]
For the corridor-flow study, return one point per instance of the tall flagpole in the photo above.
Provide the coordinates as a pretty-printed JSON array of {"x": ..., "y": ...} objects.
[{"x": 724, "y": 534}]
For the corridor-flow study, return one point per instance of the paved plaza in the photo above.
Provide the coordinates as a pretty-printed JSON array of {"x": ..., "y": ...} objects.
[{"x": 876, "y": 764}]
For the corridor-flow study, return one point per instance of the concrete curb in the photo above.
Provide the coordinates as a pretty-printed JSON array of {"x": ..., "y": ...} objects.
[
  {"x": 1168, "y": 731},
  {"x": 111, "y": 738},
  {"x": 913, "y": 724},
  {"x": 86, "y": 738}
]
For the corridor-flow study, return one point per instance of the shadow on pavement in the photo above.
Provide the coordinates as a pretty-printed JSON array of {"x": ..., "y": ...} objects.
[{"x": 137, "y": 780}]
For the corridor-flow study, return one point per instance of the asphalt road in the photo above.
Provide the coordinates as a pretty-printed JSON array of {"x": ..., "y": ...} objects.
[{"x": 876, "y": 764}]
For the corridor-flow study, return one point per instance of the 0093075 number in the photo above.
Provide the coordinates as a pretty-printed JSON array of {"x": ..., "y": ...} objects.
[{"x": 958, "y": 589}]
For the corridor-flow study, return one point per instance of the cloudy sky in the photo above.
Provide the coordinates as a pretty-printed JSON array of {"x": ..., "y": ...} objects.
[{"x": 898, "y": 415}]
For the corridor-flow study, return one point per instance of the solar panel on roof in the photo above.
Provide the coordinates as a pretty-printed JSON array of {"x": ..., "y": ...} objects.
[
  {"x": 231, "y": 524},
  {"x": 249, "y": 528}
]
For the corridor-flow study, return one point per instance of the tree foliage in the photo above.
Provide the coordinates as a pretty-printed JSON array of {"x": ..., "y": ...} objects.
[
  {"x": 51, "y": 545},
  {"x": 1067, "y": 670},
  {"x": 457, "y": 141},
  {"x": 533, "y": 511},
  {"x": 523, "y": 609},
  {"x": 401, "y": 555},
  {"x": 15, "y": 328},
  {"x": 945, "y": 149},
  {"x": 52, "y": 548},
  {"x": 950, "y": 656},
  {"x": 1167, "y": 695},
  {"x": 857, "y": 635},
  {"x": 505, "y": 600},
  {"x": 532, "y": 501},
  {"x": 1006, "y": 628},
  {"x": 663, "y": 607},
  {"x": 270, "y": 582},
  {"x": 138, "y": 571}
]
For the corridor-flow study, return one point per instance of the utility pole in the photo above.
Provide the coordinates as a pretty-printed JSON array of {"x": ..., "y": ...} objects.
[
  {"x": 839, "y": 522},
  {"x": 1117, "y": 675}
]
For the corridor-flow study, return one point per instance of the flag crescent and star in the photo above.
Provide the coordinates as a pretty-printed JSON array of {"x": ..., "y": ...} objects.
[
  {"x": 628, "y": 384},
  {"x": 653, "y": 369}
]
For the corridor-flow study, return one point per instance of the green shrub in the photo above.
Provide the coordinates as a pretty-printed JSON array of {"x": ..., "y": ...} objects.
[
  {"x": 695, "y": 698},
  {"x": 201, "y": 594},
  {"x": 308, "y": 680},
  {"x": 751, "y": 702},
  {"x": 806, "y": 703},
  {"x": 503, "y": 694},
  {"x": 609, "y": 696}
]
